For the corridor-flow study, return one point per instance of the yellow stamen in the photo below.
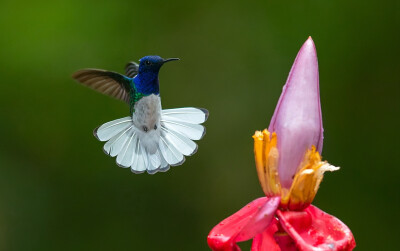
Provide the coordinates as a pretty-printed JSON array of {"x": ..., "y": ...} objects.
[
  {"x": 266, "y": 156},
  {"x": 306, "y": 181}
]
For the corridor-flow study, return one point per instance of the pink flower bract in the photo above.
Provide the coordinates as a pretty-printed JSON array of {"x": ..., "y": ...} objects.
[{"x": 297, "y": 119}]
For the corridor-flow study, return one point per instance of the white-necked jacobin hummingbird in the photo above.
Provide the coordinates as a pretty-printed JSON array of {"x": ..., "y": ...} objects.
[{"x": 151, "y": 139}]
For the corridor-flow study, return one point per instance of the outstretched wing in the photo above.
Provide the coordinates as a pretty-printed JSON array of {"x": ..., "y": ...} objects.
[
  {"x": 106, "y": 82},
  {"x": 131, "y": 69}
]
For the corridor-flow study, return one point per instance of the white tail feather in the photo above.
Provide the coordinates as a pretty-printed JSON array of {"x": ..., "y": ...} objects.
[
  {"x": 187, "y": 114},
  {"x": 192, "y": 131},
  {"x": 125, "y": 158},
  {"x": 170, "y": 153},
  {"x": 182, "y": 143},
  {"x": 110, "y": 129},
  {"x": 115, "y": 144},
  {"x": 139, "y": 164}
]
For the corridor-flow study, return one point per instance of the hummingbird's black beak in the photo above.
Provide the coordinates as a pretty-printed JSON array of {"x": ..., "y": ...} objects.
[{"x": 170, "y": 59}]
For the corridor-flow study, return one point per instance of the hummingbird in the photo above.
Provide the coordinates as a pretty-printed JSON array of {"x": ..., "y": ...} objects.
[{"x": 149, "y": 139}]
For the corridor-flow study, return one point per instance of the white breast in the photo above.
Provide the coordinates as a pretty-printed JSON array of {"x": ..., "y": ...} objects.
[{"x": 146, "y": 119}]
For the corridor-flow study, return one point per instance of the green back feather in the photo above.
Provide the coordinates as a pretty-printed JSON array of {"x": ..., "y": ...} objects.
[{"x": 135, "y": 97}]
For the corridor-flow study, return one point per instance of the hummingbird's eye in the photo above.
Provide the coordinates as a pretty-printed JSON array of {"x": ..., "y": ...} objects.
[{"x": 147, "y": 62}]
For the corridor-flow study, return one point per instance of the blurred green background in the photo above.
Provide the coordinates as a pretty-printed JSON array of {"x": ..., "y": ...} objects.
[{"x": 59, "y": 191}]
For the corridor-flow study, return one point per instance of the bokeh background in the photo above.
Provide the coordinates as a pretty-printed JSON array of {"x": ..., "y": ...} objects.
[{"x": 59, "y": 191}]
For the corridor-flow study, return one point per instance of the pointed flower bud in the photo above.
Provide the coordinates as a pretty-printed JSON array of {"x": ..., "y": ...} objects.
[
  {"x": 290, "y": 170},
  {"x": 297, "y": 119}
]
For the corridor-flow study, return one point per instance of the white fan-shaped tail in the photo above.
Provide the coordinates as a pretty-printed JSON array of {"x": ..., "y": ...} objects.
[{"x": 157, "y": 149}]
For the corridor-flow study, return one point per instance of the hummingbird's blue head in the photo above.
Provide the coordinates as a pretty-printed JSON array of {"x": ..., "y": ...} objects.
[
  {"x": 152, "y": 64},
  {"x": 146, "y": 81}
]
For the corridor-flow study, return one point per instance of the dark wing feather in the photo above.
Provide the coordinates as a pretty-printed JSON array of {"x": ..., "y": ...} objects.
[
  {"x": 106, "y": 82},
  {"x": 131, "y": 69}
]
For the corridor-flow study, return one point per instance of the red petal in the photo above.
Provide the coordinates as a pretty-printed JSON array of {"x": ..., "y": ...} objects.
[
  {"x": 285, "y": 242},
  {"x": 313, "y": 229},
  {"x": 265, "y": 241},
  {"x": 249, "y": 221}
]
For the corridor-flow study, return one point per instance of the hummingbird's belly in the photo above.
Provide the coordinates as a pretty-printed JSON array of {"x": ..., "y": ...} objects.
[{"x": 146, "y": 119}]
